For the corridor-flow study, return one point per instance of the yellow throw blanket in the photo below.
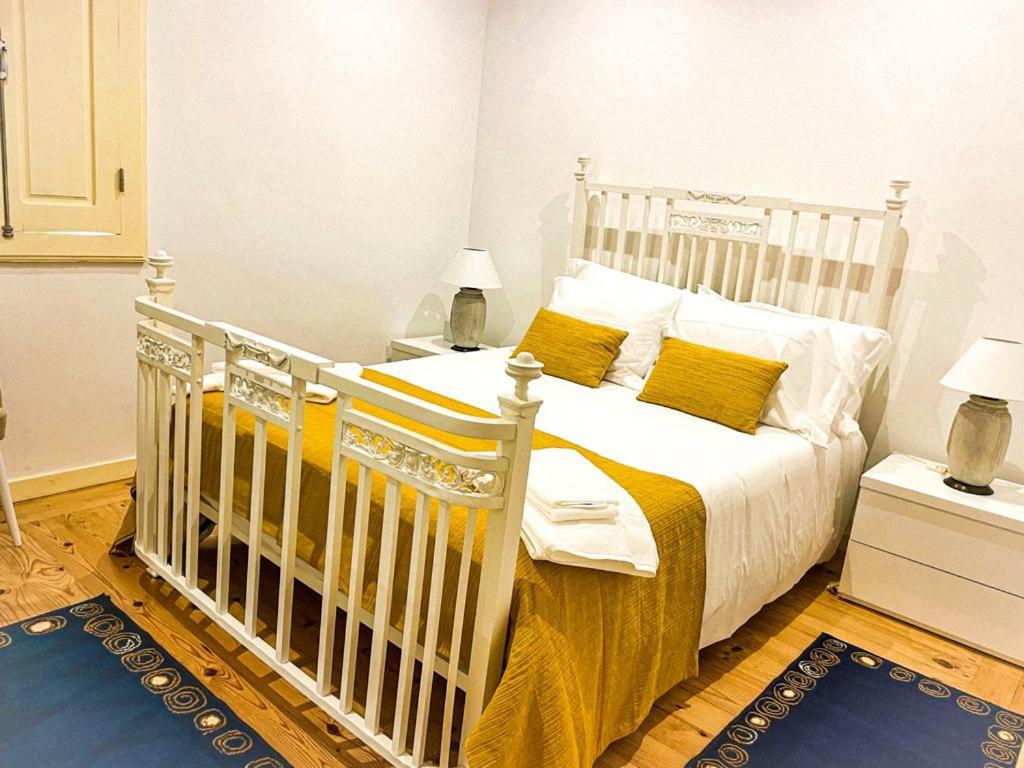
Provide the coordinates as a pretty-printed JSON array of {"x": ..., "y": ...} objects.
[{"x": 590, "y": 651}]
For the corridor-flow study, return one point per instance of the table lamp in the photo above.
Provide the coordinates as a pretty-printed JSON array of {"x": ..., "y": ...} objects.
[
  {"x": 992, "y": 372},
  {"x": 471, "y": 271}
]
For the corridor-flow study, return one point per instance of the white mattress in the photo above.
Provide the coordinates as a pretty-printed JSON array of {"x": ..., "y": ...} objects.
[{"x": 775, "y": 504}]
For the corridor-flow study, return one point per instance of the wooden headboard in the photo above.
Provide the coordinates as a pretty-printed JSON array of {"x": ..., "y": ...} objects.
[{"x": 828, "y": 260}]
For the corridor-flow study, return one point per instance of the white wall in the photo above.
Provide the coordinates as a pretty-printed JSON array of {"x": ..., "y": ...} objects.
[
  {"x": 323, "y": 153},
  {"x": 315, "y": 155},
  {"x": 311, "y": 164},
  {"x": 66, "y": 366},
  {"x": 821, "y": 101}
]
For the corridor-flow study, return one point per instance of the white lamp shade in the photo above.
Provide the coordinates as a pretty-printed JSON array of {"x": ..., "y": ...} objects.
[
  {"x": 472, "y": 268},
  {"x": 990, "y": 368}
]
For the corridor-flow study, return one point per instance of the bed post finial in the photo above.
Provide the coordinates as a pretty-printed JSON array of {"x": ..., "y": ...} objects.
[
  {"x": 896, "y": 202},
  {"x": 876, "y": 311},
  {"x": 584, "y": 163},
  {"x": 161, "y": 287},
  {"x": 523, "y": 369},
  {"x": 579, "y": 209}
]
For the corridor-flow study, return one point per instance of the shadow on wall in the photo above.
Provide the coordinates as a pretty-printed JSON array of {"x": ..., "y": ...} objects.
[
  {"x": 428, "y": 318},
  {"x": 933, "y": 309},
  {"x": 501, "y": 319},
  {"x": 503, "y": 326},
  {"x": 876, "y": 394},
  {"x": 554, "y": 240}
]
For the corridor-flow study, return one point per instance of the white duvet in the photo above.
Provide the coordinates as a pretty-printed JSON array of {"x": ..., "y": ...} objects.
[{"x": 776, "y": 504}]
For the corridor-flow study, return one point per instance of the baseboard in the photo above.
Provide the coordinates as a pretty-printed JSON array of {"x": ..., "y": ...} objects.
[{"x": 49, "y": 483}]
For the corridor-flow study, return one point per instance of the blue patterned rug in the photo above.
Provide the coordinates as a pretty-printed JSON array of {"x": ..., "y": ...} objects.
[
  {"x": 839, "y": 705},
  {"x": 84, "y": 686}
]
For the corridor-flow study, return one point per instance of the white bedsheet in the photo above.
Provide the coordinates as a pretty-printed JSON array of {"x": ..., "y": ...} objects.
[{"x": 776, "y": 504}]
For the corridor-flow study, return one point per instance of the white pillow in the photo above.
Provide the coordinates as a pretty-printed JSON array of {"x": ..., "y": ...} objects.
[
  {"x": 643, "y": 319},
  {"x": 613, "y": 280},
  {"x": 860, "y": 349},
  {"x": 809, "y": 394}
]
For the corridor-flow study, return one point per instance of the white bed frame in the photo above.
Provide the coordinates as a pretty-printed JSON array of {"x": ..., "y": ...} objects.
[
  {"x": 825, "y": 260},
  {"x": 676, "y": 235}
]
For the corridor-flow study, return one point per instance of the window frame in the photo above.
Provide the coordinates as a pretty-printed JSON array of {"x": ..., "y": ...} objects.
[{"x": 129, "y": 246}]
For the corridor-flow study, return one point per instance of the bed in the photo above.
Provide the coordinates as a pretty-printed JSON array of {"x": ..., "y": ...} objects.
[
  {"x": 774, "y": 506},
  {"x": 405, "y": 498}
]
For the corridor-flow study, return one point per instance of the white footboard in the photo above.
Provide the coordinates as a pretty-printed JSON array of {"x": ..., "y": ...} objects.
[{"x": 445, "y": 480}]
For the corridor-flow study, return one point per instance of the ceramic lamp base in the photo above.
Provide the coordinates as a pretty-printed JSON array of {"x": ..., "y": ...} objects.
[
  {"x": 469, "y": 312},
  {"x": 977, "y": 444}
]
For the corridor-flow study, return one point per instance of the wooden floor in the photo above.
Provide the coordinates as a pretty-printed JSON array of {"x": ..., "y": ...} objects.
[{"x": 64, "y": 560}]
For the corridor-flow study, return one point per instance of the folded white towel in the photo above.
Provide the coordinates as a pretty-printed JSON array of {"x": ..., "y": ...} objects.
[
  {"x": 587, "y": 510},
  {"x": 315, "y": 393},
  {"x": 623, "y": 544},
  {"x": 566, "y": 486}
]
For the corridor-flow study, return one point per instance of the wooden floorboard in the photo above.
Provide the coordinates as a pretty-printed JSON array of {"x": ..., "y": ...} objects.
[{"x": 64, "y": 560}]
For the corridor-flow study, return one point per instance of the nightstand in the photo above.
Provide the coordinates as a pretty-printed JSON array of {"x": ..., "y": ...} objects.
[
  {"x": 422, "y": 346},
  {"x": 947, "y": 561}
]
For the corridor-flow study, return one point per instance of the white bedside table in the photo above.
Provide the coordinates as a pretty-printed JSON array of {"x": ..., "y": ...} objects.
[
  {"x": 944, "y": 560},
  {"x": 422, "y": 346}
]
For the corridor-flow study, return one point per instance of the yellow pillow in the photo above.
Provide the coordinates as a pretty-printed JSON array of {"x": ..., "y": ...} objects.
[
  {"x": 725, "y": 387},
  {"x": 570, "y": 348}
]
